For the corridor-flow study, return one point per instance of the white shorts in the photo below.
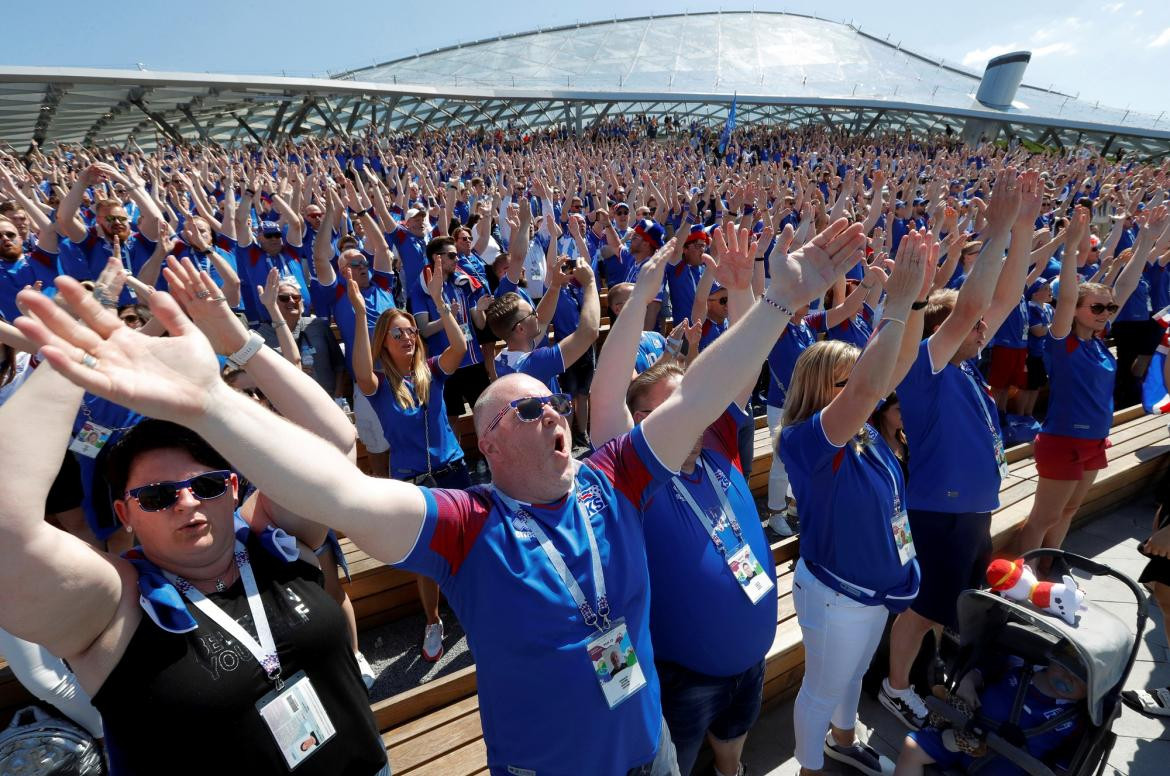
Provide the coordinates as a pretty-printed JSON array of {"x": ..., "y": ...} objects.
[{"x": 369, "y": 428}]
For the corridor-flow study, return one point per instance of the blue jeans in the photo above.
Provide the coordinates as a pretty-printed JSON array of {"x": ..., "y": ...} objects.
[
  {"x": 694, "y": 704},
  {"x": 665, "y": 762}
]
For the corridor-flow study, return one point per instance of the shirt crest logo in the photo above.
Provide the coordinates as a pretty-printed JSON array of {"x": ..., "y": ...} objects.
[{"x": 591, "y": 499}]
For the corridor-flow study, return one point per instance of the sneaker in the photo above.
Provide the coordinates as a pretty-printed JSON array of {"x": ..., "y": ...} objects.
[
  {"x": 906, "y": 705},
  {"x": 779, "y": 524},
  {"x": 368, "y": 675},
  {"x": 432, "y": 648},
  {"x": 858, "y": 755},
  {"x": 1155, "y": 702}
]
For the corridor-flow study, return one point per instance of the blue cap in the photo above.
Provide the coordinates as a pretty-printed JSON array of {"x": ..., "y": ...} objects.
[
  {"x": 651, "y": 231},
  {"x": 899, "y": 204},
  {"x": 1032, "y": 289},
  {"x": 270, "y": 227},
  {"x": 621, "y": 204},
  {"x": 698, "y": 234},
  {"x": 919, "y": 201}
]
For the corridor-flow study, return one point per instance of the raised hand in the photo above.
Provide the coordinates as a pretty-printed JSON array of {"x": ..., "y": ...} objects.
[
  {"x": 161, "y": 377},
  {"x": 810, "y": 271},
  {"x": 1005, "y": 200},
  {"x": 268, "y": 291},
  {"x": 736, "y": 249},
  {"x": 1031, "y": 197},
  {"x": 651, "y": 272},
  {"x": 905, "y": 282},
  {"x": 206, "y": 305}
]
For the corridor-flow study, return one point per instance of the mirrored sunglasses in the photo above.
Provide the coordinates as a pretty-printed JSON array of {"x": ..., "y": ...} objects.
[{"x": 531, "y": 408}]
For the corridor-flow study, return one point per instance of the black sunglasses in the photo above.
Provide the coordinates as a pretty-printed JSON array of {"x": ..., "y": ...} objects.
[
  {"x": 530, "y": 408},
  {"x": 163, "y": 495},
  {"x": 1097, "y": 308},
  {"x": 288, "y": 297}
]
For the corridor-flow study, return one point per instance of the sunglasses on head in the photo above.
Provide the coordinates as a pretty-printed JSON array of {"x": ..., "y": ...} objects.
[
  {"x": 531, "y": 408},
  {"x": 163, "y": 495},
  {"x": 1097, "y": 308},
  {"x": 402, "y": 332},
  {"x": 288, "y": 297}
]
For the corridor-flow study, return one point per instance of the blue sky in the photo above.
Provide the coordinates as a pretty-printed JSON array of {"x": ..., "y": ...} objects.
[{"x": 1115, "y": 52}]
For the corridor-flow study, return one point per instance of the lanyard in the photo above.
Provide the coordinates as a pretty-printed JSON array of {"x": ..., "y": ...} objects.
[
  {"x": 588, "y": 614},
  {"x": 889, "y": 472},
  {"x": 263, "y": 650},
  {"x": 979, "y": 395},
  {"x": 704, "y": 518}
]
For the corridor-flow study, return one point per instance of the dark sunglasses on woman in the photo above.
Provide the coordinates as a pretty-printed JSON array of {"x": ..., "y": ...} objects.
[{"x": 163, "y": 495}]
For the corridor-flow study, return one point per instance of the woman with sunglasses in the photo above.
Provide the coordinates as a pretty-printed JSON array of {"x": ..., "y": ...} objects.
[
  {"x": 163, "y": 634},
  {"x": 857, "y": 559},
  {"x": 1070, "y": 448},
  {"x": 406, "y": 393}
]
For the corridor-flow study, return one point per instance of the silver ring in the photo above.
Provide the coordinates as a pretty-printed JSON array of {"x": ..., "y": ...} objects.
[
  {"x": 89, "y": 361},
  {"x": 219, "y": 298},
  {"x": 202, "y": 294}
]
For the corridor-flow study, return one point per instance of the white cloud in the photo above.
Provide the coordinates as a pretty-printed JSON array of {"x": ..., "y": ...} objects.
[
  {"x": 1161, "y": 40},
  {"x": 1054, "y": 48},
  {"x": 1113, "y": 7},
  {"x": 979, "y": 57}
]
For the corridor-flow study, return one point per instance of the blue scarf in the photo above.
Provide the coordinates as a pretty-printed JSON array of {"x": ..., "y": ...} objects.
[{"x": 165, "y": 605}]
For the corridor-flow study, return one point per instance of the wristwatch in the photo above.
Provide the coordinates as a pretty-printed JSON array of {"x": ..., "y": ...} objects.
[{"x": 244, "y": 354}]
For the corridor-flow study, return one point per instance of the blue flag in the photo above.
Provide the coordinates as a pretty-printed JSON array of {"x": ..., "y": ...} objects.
[{"x": 728, "y": 126}]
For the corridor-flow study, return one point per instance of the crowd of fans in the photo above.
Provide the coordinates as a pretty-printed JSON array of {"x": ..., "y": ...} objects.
[{"x": 895, "y": 306}]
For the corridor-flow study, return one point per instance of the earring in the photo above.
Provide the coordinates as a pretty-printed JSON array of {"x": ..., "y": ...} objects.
[{"x": 128, "y": 529}]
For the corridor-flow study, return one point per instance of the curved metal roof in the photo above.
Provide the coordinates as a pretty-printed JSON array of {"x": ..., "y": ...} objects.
[
  {"x": 771, "y": 54},
  {"x": 785, "y": 68}
]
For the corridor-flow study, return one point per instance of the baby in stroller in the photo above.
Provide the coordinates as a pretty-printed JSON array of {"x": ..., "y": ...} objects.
[{"x": 1044, "y": 703}]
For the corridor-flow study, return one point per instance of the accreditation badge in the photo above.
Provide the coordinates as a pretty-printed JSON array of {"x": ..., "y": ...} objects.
[
  {"x": 903, "y": 539},
  {"x": 749, "y": 573},
  {"x": 90, "y": 440},
  {"x": 297, "y": 720},
  {"x": 615, "y": 663}
]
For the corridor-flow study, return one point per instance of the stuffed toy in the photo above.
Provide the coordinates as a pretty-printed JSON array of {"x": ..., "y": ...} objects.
[{"x": 1016, "y": 581}]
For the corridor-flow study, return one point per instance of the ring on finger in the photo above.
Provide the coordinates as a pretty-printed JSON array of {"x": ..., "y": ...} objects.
[{"x": 202, "y": 294}]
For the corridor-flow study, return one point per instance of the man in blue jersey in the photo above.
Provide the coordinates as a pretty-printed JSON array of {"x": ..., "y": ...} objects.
[
  {"x": 953, "y": 429},
  {"x": 705, "y": 546},
  {"x": 86, "y": 249},
  {"x": 18, "y": 270},
  {"x": 468, "y": 297},
  {"x": 545, "y": 568}
]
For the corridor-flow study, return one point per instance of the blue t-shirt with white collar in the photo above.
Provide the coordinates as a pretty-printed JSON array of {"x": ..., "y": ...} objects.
[
  {"x": 544, "y": 363},
  {"x": 848, "y": 498},
  {"x": 404, "y": 429},
  {"x": 526, "y": 632}
]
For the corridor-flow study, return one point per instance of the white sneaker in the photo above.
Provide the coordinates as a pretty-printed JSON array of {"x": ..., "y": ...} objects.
[
  {"x": 368, "y": 675},
  {"x": 906, "y": 705},
  {"x": 432, "y": 648},
  {"x": 778, "y": 522}
]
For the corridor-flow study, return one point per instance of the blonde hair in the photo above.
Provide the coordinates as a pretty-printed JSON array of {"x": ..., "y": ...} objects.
[
  {"x": 816, "y": 370},
  {"x": 1084, "y": 289},
  {"x": 418, "y": 363}
]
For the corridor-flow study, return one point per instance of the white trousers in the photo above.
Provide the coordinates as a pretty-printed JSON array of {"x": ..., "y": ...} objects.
[
  {"x": 48, "y": 678},
  {"x": 840, "y": 637},
  {"x": 777, "y": 476},
  {"x": 369, "y": 428}
]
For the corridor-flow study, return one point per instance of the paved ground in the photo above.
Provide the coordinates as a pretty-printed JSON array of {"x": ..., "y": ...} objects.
[{"x": 1143, "y": 746}]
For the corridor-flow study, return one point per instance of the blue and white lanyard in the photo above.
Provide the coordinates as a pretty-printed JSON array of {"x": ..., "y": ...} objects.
[
  {"x": 704, "y": 518},
  {"x": 263, "y": 648},
  {"x": 595, "y": 618},
  {"x": 889, "y": 472},
  {"x": 979, "y": 397}
]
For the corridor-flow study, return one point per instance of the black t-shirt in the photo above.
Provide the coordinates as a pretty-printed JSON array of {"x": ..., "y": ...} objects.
[{"x": 186, "y": 703}]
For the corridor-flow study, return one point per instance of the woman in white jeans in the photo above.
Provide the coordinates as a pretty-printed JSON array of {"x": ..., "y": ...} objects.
[{"x": 857, "y": 559}]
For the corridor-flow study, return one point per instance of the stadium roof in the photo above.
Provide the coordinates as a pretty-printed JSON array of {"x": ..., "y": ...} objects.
[{"x": 782, "y": 67}]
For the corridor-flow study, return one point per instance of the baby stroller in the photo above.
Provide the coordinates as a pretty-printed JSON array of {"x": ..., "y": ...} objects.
[{"x": 991, "y": 625}]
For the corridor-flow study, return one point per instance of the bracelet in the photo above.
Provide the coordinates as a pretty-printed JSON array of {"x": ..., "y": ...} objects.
[
  {"x": 250, "y": 192},
  {"x": 250, "y": 348},
  {"x": 769, "y": 300},
  {"x": 761, "y": 259},
  {"x": 919, "y": 305},
  {"x": 893, "y": 320},
  {"x": 364, "y": 212},
  {"x": 278, "y": 323},
  {"x": 867, "y": 288}
]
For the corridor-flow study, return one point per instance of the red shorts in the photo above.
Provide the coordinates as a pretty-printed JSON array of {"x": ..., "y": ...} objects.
[
  {"x": 1009, "y": 367},
  {"x": 1068, "y": 458}
]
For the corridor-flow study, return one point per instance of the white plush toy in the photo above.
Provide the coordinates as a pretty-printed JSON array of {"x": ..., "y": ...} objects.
[{"x": 1015, "y": 580}]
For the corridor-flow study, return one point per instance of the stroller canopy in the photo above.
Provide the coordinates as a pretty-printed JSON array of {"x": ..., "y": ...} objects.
[{"x": 1101, "y": 639}]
